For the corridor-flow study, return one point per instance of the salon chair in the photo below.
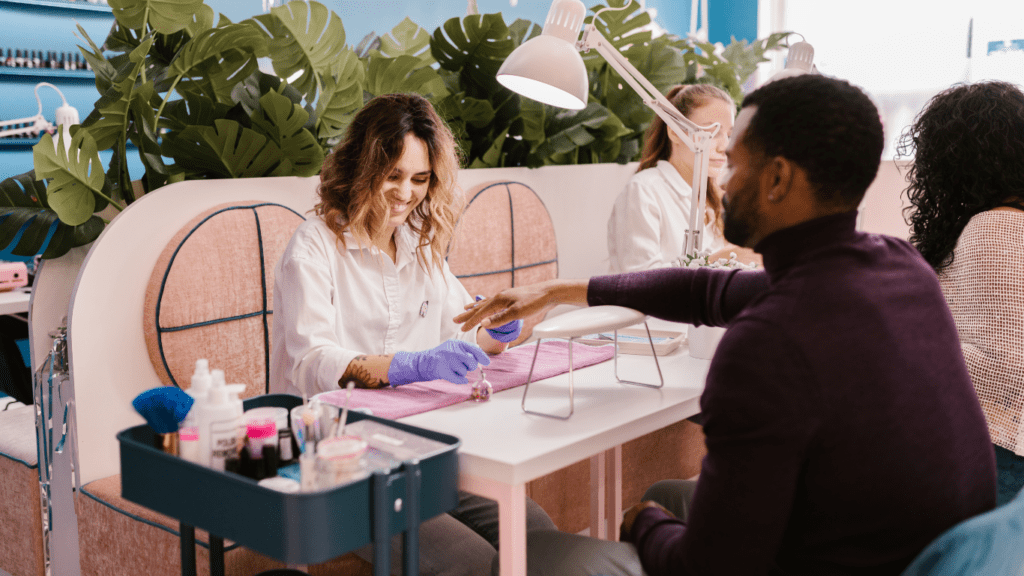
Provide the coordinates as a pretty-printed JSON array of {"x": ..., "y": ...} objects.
[
  {"x": 185, "y": 272},
  {"x": 990, "y": 544}
]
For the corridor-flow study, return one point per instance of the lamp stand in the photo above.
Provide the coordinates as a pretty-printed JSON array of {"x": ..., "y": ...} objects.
[{"x": 697, "y": 138}]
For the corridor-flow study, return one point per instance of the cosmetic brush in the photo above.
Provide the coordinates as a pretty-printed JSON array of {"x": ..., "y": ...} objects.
[
  {"x": 344, "y": 410},
  {"x": 163, "y": 408}
]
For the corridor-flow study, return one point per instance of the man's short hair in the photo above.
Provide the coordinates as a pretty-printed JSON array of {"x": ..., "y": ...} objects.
[{"x": 827, "y": 126}]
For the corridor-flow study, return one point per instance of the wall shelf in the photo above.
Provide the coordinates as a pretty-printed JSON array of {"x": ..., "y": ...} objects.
[
  {"x": 9, "y": 143},
  {"x": 61, "y": 4},
  {"x": 47, "y": 73},
  {"x": 28, "y": 143}
]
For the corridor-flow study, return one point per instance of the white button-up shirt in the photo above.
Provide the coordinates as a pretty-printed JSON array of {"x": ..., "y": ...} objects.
[
  {"x": 332, "y": 304},
  {"x": 647, "y": 228}
]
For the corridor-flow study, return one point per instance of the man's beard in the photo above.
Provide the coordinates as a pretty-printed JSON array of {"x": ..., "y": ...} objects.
[{"x": 736, "y": 229}]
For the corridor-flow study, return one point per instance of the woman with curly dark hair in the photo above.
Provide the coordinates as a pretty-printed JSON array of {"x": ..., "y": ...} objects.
[{"x": 967, "y": 220}]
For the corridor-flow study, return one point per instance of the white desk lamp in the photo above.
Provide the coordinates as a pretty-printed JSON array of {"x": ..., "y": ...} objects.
[
  {"x": 549, "y": 69},
  {"x": 800, "y": 60},
  {"x": 65, "y": 116}
]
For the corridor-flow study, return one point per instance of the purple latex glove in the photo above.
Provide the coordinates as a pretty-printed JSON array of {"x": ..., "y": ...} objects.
[
  {"x": 450, "y": 361},
  {"x": 506, "y": 332}
]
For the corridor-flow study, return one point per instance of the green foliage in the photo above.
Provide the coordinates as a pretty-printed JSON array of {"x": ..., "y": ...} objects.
[
  {"x": 25, "y": 209},
  {"x": 181, "y": 87}
]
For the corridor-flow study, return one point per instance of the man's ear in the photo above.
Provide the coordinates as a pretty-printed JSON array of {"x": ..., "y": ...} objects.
[{"x": 776, "y": 179}]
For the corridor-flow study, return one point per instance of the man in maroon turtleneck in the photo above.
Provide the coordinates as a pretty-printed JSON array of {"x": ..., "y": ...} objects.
[{"x": 842, "y": 429}]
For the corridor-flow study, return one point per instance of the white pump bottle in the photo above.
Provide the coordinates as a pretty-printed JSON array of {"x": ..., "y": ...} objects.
[{"x": 188, "y": 430}]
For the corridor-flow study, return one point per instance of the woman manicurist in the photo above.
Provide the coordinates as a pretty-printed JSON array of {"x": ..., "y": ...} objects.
[
  {"x": 967, "y": 220},
  {"x": 363, "y": 293}
]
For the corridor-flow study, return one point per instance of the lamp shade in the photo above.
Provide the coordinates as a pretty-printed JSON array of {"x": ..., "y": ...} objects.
[
  {"x": 549, "y": 68},
  {"x": 799, "y": 61}
]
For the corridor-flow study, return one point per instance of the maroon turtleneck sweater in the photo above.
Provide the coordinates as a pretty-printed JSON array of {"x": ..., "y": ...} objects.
[{"x": 842, "y": 429}]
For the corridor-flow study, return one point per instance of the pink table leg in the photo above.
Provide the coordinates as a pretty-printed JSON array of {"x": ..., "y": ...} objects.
[{"x": 511, "y": 499}]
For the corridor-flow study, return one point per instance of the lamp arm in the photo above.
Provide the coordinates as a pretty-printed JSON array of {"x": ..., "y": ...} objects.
[{"x": 697, "y": 138}]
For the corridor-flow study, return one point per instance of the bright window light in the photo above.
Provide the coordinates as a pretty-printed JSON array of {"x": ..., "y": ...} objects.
[{"x": 903, "y": 53}]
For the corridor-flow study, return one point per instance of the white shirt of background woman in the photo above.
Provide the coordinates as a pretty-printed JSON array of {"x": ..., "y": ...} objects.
[
  {"x": 647, "y": 228},
  {"x": 332, "y": 304}
]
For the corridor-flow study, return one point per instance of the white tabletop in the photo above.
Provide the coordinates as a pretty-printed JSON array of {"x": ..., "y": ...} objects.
[
  {"x": 15, "y": 301},
  {"x": 502, "y": 443}
]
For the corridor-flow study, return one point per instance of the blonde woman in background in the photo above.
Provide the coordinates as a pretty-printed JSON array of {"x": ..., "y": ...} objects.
[{"x": 650, "y": 217}]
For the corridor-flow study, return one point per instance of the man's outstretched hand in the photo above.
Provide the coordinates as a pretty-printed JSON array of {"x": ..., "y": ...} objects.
[{"x": 518, "y": 303}]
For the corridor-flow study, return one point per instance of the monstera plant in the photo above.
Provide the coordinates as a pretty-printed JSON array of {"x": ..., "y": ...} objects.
[
  {"x": 182, "y": 89},
  {"x": 186, "y": 95}
]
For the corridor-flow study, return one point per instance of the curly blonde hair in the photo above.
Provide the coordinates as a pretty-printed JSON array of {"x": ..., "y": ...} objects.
[
  {"x": 355, "y": 171},
  {"x": 658, "y": 146}
]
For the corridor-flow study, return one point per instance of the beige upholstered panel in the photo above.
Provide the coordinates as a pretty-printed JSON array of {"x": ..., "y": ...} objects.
[
  {"x": 211, "y": 293},
  {"x": 505, "y": 238}
]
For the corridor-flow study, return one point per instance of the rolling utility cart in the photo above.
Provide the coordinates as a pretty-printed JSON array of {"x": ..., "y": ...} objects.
[{"x": 299, "y": 528}]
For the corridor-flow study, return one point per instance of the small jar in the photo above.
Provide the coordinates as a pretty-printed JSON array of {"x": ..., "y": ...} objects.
[{"x": 340, "y": 460}]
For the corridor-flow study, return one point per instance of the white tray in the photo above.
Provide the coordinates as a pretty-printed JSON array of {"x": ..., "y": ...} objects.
[{"x": 634, "y": 341}]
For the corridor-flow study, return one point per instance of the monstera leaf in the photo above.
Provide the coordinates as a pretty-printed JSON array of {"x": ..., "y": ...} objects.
[
  {"x": 104, "y": 70},
  {"x": 475, "y": 47},
  {"x": 625, "y": 27},
  {"x": 23, "y": 209},
  {"x": 108, "y": 121},
  {"x": 341, "y": 97},
  {"x": 76, "y": 176},
  {"x": 560, "y": 136},
  {"x": 305, "y": 38},
  {"x": 407, "y": 39},
  {"x": 402, "y": 74},
  {"x": 163, "y": 16},
  {"x": 283, "y": 121},
  {"x": 224, "y": 150},
  {"x": 215, "y": 43}
]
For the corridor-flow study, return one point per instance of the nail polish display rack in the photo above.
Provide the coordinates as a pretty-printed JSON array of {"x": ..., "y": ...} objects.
[
  {"x": 45, "y": 59},
  {"x": 91, "y": 5}
]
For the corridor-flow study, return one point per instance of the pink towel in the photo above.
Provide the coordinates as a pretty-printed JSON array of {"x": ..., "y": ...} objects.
[{"x": 505, "y": 371}]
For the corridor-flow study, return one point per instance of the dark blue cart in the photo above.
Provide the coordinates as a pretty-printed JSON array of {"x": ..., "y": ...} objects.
[{"x": 303, "y": 528}]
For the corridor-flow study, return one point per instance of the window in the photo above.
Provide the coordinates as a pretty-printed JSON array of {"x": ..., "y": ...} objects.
[{"x": 903, "y": 52}]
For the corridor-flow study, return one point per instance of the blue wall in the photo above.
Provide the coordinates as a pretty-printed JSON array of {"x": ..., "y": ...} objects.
[{"x": 360, "y": 17}]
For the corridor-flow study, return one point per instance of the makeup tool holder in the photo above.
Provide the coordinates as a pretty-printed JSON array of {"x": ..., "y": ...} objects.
[
  {"x": 579, "y": 323},
  {"x": 295, "y": 528}
]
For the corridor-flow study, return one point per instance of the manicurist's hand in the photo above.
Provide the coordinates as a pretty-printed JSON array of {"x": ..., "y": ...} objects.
[
  {"x": 450, "y": 361},
  {"x": 518, "y": 303},
  {"x": 625, "y": 533},
  {"x": 506, "y": 332}
]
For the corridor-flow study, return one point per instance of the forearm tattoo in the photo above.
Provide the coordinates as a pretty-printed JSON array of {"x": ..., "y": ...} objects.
[{"x": 359, "y": 374}]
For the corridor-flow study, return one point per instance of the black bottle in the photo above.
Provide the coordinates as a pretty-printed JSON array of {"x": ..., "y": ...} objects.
[
  {"x": 19, "y": 62},
  {"x": 9, "y": 60},
  {"x": 53, "y": 59},
  {"x": 62, "y": 64},
  {"x": 28, "y": 59},
  {"x": 37, "y": 60},
  {"x": 78, "y": 62}
]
